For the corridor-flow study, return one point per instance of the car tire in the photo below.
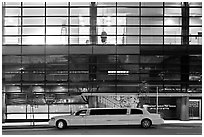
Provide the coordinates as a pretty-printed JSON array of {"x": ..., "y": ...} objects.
[
  {"x": 146, "y": 123},
  {"x": 61, "y": 124}
]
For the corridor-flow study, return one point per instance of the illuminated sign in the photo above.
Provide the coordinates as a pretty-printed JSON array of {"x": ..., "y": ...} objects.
[
  {"x": 162, "y": 107},
  {"x": 119, "y": 72}
]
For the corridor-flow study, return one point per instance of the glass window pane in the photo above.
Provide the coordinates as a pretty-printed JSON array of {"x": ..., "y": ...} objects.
[
  {"x": 106, "y": 21},
  {"x": 34, "y": 21},
  {"x": 12, "y": 31},
  {"x": 56, "y": 31},
  {"x": 152, "y": 40},
  {"x": 172, "y": 31},
  {"x": 57, "y": 11},
  {"x": 152, "y": 3},
  {"x": 127, "y": 30},
  {"x": 172, "y": 21},
  {"x": 128, "y": 11},
  {"x": 16, "y": 108},
  {"x": 196, "y": 21},
  {"x": 80, "y": 31},
  {"x": 12, "y": 88},
  {"x": 79, "y": 12},
  {"x": 109, "y": 40},
  {"x": 152, "y": 12},
  {"x": 56, "y": 20},
  {"x": 106, "y": 3},
  {"x": 152, "y": 21},
  {"x": 172, "y": 12},
  {"x": 108, "y": 30},
  {"x": 33, "y": 11},
  {"x": 33, "y": 3},
  {"x": 78, "y": 39},
  {"x": 12, "y": 4},
  {"x": 195, "y": 3},
  {"x": 12, "y": 21},
  {"x": 128, "y": 4},
  {"x": 33, "y": 31},
  {"x": 106, "y": 11},
  {"x": 172, "y": 3},
  {"x": 132, "y": 40},
  {"x": 56, "y": 3},
  {"x": 80, "y": 21},
  {"x": 80, "y": 3},
  {"x": 12, "y": 12},
  {"x": 195, "y": 30},
  {"x": 195, "y": 40},
  {"x": 27, "y": 76},
  {"x": 57, "y": 40},
  {"x": 172, "y": 40},
  {"x": 152, "y": 30},
  {"x": 12, "y": 77},
  {"x": 33, "y": 40},
  {"x": 11, "y": 40},
  {"x": 195, "y": 11},
  {"x": 11, "y": 59}
]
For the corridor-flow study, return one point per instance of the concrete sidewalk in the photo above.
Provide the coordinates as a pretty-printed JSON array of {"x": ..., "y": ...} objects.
[{"x": 46, "y": 125}]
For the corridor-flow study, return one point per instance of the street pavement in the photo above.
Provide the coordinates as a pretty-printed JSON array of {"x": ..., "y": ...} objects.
[{"x": 168, "y": 128}]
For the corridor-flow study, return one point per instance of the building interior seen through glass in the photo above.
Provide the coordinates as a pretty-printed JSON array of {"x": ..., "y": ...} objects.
[{"x": 57, "y": 55}]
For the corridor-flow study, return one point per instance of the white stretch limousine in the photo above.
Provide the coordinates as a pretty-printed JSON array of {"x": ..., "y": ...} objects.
[{"x": 107, "y": 116}]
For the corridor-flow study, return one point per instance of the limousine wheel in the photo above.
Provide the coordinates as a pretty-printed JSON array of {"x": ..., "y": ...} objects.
[
  {"x": 146, "y": 123},
  {"x": 61, "y": 124}
]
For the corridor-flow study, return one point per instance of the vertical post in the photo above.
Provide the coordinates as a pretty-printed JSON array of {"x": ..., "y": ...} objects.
[{"x": 157, "y": 100}]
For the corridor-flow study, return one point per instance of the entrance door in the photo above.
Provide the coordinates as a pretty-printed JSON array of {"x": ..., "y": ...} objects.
[{"x": 194, "y": 109}]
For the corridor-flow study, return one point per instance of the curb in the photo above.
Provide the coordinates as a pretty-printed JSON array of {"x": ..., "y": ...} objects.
[{"x": 47, "y": 126}]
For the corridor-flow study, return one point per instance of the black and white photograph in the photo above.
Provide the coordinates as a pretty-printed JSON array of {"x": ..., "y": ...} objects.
[{"x": 101, "y": 68}]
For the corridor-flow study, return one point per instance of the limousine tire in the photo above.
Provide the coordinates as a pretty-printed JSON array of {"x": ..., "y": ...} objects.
[
  {"x": 61, "y": 124},
  {"x": 146, "y": 123}
]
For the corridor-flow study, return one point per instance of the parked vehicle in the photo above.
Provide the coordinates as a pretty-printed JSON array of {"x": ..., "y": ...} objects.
[{"x": 107, "y": 116}]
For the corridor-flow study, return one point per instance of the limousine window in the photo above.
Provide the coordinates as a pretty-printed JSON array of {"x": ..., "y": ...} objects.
[
  {"x": 81, "y": 112},
  {"x": 108, "y": 112},
  {"x": 136, "y": 111}
]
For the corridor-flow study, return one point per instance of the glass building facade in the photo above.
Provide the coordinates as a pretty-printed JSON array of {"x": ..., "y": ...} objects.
[{"x": 60, "y": 57}]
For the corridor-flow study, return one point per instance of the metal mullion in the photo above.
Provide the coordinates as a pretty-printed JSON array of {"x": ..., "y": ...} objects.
[
  {"x": 140, "y": 26},
  {"x": 45, "y": 43},
  {"x": 68, "y": 55},
  {"x": 163, "y": 44},
  {"x": 116, "y": 88}
]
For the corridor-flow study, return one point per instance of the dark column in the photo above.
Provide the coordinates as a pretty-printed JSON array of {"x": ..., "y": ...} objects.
[
  {"x": 183, "y": 108},
  {"x": 185, "y": 42},
  {"x": 183, "y": 102},
  {"x": 92, "y": 100},
  {"x": 93, "y": 22},
  {"x": 93, "y": 41}
]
